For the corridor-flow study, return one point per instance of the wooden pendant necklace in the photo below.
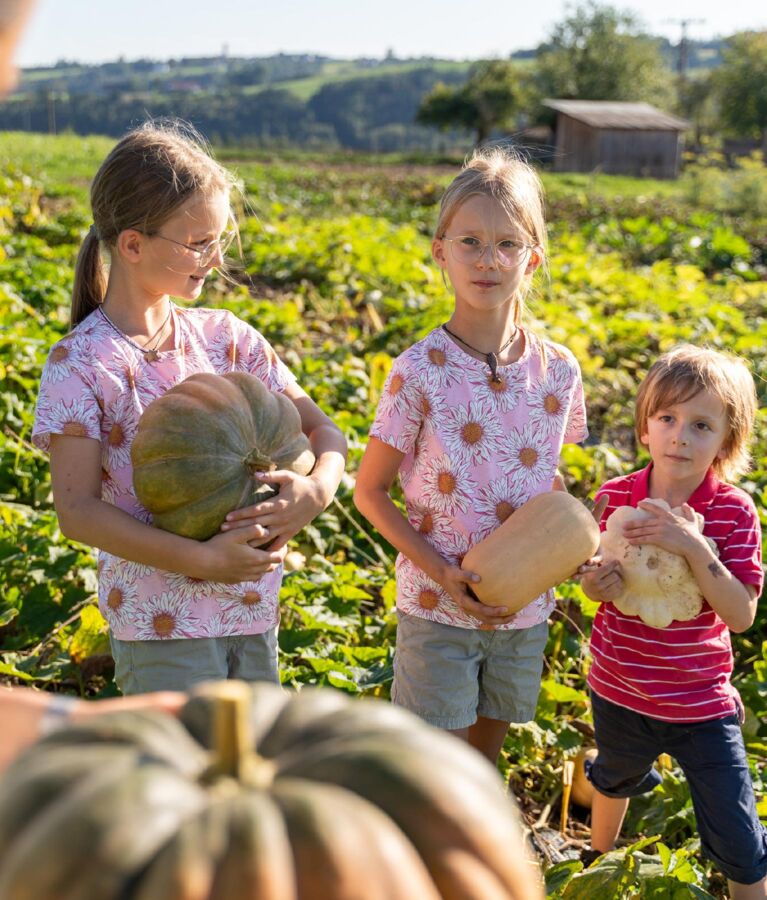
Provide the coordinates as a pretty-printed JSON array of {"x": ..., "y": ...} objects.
[
  {"x": 149, "y": 349},
  {"x": 492, "y": 357}
]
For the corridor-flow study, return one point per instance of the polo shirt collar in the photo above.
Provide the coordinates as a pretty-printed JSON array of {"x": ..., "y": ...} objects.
[{"x": 700, "y": 498}]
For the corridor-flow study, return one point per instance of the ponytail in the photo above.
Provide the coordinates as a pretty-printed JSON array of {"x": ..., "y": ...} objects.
[{"x": 90, "y": 279}]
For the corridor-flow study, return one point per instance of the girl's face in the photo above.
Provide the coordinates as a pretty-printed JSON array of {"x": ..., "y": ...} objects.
[
  {"x": 186, "y": 247},
  {"x": 685, "y": 438},
  {"x": 485, "y": 254}
]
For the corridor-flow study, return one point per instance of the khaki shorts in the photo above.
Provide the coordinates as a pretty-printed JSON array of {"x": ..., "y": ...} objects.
[
  {"x": 450, "y": 676},
  {"x": 177, "y": 665}
]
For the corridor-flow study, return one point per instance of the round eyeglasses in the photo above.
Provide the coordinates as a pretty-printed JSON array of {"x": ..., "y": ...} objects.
[
  {"x": 469, "y": 250},
  {"x": 203, "y": 255}
]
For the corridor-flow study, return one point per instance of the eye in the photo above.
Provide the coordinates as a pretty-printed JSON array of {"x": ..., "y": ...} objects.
[
  {"x": 510, "y": 245},
  {"x": 468, "y": 241},
  {"x": 665, "y": 417},
  {"x": 703, "y": 426}
]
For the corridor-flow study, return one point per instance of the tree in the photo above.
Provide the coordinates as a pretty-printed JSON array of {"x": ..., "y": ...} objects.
[
  {"x": 742, "y": 85},
  {"x": 489, "y": 99},
  {"x": 601, "y": 53}
]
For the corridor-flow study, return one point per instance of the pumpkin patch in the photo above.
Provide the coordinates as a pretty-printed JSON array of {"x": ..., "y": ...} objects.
[{"x": 198, "y": 446}]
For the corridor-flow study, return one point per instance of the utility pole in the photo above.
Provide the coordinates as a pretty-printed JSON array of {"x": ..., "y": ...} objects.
[{"x": 682, "y": 59}]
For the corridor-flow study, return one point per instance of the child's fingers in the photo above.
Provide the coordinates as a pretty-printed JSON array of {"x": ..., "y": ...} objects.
[
  {"x": 599, "y": 507},
  {"x": 466, "y": 576}
]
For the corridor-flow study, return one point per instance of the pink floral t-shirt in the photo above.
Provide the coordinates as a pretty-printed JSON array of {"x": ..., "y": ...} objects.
[
  {"x": 96, "y": 385},
  {"x": 474, "y": 450}
]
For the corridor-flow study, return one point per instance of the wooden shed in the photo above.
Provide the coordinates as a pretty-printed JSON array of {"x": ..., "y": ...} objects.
[{"x": 617, "y": 138}]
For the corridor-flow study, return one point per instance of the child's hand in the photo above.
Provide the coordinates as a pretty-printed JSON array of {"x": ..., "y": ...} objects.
[
  {"x": 677, "y": 534},
  {"x": 300, "y": 499},
  {"x": 455, "y": 581},
  {"x": 602, "y": 583},
  {"x": 229, "y": 558}
]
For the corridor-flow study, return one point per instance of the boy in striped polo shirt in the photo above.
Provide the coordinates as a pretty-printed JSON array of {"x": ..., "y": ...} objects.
[{"x": 657, "y": 690}]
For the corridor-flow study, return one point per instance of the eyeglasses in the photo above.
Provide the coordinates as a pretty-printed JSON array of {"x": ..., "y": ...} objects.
[
  {"x": 205, "y": 254},
  {"x": 469, "y": 250}
]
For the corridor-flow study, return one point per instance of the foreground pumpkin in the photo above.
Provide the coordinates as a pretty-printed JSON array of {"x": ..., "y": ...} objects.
[
  {"x": 304, "y": 797},
  {"x": 198, "y": 446},
  {"x": 540, "y": 545}
]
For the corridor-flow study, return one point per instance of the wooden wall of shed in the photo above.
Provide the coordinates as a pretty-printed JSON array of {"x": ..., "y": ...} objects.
[
  {"x": 581, "y": 148},
  {"x": 653, "y": 154},
  {"x": 576, "y": 146}
]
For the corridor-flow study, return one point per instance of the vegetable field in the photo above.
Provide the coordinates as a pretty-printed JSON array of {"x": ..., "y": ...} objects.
[{"x": 335, "y": 271}]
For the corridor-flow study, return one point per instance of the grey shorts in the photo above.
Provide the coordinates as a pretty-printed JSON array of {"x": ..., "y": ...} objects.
[
  {"x": 450, "y": 676},
  {"x": 177, "y": 665}
]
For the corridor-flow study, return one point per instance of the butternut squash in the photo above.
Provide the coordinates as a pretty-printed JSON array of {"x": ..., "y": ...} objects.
[{"x": 540, "y": 545}]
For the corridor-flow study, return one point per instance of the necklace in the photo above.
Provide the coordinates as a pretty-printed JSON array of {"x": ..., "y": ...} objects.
[
  {"x": 492, "y": 357},
  {"x": 149, "y": 349}
]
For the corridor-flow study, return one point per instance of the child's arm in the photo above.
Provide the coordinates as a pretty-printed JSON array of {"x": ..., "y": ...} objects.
[
  {"x": 84, "y": 516},
  {"x": 378, "y": 469},
  {"x": 734, "y": 601},
  {"x": 301, "y": 497}
]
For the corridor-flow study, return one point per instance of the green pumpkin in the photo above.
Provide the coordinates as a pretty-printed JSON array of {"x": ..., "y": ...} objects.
[
  {"x": 198, "y": 445},
  {"x": 259, "y": 794}
]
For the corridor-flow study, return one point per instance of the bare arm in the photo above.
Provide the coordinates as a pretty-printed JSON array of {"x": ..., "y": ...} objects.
[
  {"x": 301, "y": 498},
  {"x": 26, "y": 714},
  {"x": 378, "y": 470},
  {"x": 84, "y": 516}
]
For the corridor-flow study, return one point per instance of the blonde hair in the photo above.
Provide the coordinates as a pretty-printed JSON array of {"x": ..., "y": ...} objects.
[
  {"x": 502, "y": 174},
  {"x": 146, "y": 177},
  {"x": 684, "y": 372}
]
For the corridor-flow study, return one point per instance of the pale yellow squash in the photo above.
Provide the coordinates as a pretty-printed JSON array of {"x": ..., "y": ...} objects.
[{"x": 540, "y": 545}]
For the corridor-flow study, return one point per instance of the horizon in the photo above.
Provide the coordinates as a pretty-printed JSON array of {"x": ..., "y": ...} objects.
[{"x": 430, "y": 29}]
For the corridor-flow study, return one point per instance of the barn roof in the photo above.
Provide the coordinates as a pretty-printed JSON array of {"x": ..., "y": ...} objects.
[{"x": 609, "y": 114}]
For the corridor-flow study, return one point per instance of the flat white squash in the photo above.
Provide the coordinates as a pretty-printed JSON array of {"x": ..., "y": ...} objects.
[{"x": 659, "y": 586}]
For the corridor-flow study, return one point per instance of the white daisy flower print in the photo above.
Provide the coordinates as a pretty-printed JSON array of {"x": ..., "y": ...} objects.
[
  {"x": 165, "y": 617},
  {"x": 118, "y": 602},
  {"x": 447, "y": 485},
  {"x": 430, "y": 523},
  {"x": 225, "y": 353},
  {"x": 72, "y": 417},
  {"x": 434, "y": 410},
  {"x": 58, "y": 366},
  {"x": 472, "y": 433},
  {"x": 138, "y": 385},
  {"x": 252, "y": 605},
  {"x": 441, "y": 362},
  {"x": 496, "y": 502},
  {"x": 192, "y": 590},
  {"x": 217, "y": 626},
  {"x": 502, "y": 395},
  {"x": 549, "y": 399},
  {"x": 400, "y": 396},
  {"x": 120, "y": 434},
  {"x": 132, "y": 570},
  {"x": 110, "y": 487},
  {"x": 527, "y": 458},
  {"x": 453, "y": 546},
  {"x": 421, "y": 596}
]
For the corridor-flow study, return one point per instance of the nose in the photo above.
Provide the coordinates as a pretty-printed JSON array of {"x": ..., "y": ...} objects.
[
  {"x": 490, "y": 248},
  {"x": 680, "y": 438}
]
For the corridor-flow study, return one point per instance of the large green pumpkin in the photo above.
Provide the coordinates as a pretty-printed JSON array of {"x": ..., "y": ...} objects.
[
  {"x": 259, "y": 794},
  {"x": 198, "y": 445}
]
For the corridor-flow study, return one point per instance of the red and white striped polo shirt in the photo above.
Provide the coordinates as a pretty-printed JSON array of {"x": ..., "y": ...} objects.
[{"x": 680, "y": 673}]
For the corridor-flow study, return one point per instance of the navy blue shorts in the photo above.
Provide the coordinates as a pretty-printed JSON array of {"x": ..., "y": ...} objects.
[{"x": 713, "y": 758}]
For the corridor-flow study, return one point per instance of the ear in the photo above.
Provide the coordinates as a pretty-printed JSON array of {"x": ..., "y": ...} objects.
[
  {"x": 645, "y": 438},
  {"x": 438, "y": 252},
  {"x": 131, "y": 245},
  {"x": 536, "y": 258}
]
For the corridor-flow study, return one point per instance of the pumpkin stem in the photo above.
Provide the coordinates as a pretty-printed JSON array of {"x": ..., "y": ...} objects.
[
  {"x": 255, "y": 461},
  {"x": 233, "y": 738}
]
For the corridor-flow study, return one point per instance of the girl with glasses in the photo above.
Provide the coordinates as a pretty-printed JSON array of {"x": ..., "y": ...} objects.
[
  {"x": 473, "y": 418},
  {"x": 180, "y": 611}
]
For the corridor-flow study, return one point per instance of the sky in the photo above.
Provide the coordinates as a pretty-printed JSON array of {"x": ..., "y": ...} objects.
[{"x": 100, "y": 30}]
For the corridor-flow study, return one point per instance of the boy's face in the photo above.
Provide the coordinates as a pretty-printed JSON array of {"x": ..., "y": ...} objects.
[{"x": 685, "y": 438}]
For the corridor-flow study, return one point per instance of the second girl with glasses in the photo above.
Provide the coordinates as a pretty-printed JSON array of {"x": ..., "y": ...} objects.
[
  {"x": 179, "y": 611},
  {"x": 473, "y": 417}
]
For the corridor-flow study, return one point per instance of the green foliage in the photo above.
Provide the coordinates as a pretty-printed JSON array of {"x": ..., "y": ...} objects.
[
  {"x": 490, "y": 98},
  {"x": 742, "y": 84},
  {"x": 600, "y": 53},
  {"x": 336, "y": 272}
]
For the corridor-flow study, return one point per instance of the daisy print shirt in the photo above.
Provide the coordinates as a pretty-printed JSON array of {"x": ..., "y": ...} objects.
[
  {"x": 96, "y": 385},
  {"x": 474, "y": 450}
]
